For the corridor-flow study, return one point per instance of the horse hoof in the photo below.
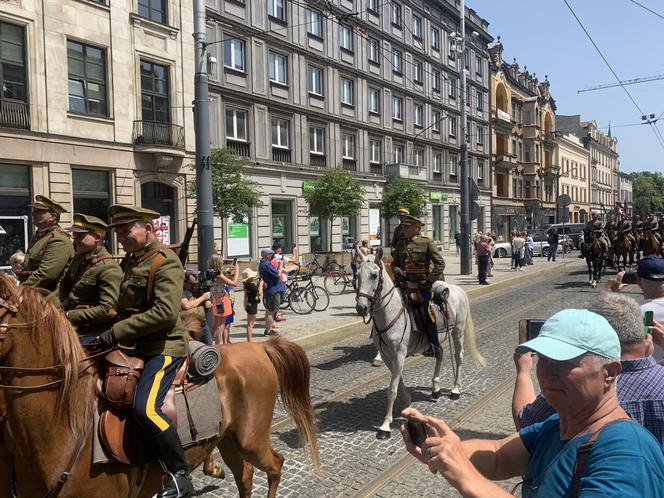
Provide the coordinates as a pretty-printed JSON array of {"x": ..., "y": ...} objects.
[
  {"x": 382, "y": 435},
  {"x": 377, "y": 363},
  {"x": 454, "y": 396},
  {"x": 437, "y": 394}
]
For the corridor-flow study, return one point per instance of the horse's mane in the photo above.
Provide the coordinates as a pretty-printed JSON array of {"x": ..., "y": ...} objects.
[{"x": 49, "y": 328}]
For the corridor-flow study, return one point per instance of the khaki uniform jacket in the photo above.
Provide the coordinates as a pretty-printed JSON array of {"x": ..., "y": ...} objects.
[
  {"x": 89, "y": 289},
  {"x": 151, "y": 327},
  {"x": 49, "y": 253},
  {"x": 415, "y": 257}
]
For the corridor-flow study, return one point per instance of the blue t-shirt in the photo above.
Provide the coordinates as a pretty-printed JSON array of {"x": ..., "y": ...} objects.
[
  {"x": 270, "y": 276},
  {"x": 625, "y": 461}
]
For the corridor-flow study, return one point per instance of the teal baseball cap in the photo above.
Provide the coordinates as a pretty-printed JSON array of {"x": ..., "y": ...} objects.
[{"x": 571, "y": 333}]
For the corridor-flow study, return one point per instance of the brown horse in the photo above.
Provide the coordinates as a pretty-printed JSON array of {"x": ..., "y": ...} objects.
[
  {"x": 622, "y": 248},
  {"x": 47, "y": 396},
  {"x": 650, "y": 244}
]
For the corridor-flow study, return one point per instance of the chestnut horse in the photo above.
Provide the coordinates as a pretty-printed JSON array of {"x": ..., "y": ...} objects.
[{"x": 47, "y": 390}]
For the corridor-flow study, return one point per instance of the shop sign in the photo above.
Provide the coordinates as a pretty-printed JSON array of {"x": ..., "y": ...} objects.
[
  {"x": 437, "y": 196},
  {"x": 345, "y": 225},
  {"x": 307, "y": 186},
  {"x": 162, "y": 229},
  {"x": 237, "y": 235}
]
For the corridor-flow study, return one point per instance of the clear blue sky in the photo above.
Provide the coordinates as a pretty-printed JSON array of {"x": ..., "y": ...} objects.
[{"x": 544, "y": 36}]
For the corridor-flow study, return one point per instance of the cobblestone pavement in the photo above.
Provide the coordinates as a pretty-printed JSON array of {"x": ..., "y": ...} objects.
[{"x": 351, "y": 455}]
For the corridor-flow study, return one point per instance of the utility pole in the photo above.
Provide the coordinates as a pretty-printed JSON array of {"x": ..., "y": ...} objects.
[
  {"x": 202, "y": 129},
  {"x": 466, "y": 251}
]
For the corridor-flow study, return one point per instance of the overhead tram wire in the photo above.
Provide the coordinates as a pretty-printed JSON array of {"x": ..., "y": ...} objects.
[
  {"x": 648, "y": 9},
  {"x": 659, "y": 137}
]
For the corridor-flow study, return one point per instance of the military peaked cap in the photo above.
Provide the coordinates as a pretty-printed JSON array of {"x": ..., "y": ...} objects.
[
  {"x": 43, "y": 202},
  {"x": 403, "y": 211},
  {"x": 407, "y": 219},
  {"x": 87, "y": 223},
  {"x": 127, "y": 214}
]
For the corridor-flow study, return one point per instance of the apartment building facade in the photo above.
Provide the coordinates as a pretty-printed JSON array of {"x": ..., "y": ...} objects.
[
  {"x": 523, "y": 147},
  {"x": 625, "y": 192},
  {"x": 95, "y": 110},
  {"x": 604, "y": 165},
  {"x": 574, "y": 161},
  {"x": 371, "y": 87}
]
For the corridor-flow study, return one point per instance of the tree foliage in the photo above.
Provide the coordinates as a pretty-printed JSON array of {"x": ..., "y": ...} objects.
[
  {"x": 233, "y": 194},
  {"x": 402, "y": 192},
  {"x": 647, "y": 192},
  {"x": 333, "y": 195}
]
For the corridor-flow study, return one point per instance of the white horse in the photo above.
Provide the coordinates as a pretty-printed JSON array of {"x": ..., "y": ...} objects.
[{"x": 395, "y": 337}]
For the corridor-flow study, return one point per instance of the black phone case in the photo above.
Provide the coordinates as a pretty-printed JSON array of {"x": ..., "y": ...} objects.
[{"x": 417, "y": 431}]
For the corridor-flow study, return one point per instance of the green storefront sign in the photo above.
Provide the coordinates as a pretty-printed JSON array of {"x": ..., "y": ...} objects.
[
  {"x": 238, "y": 231},
  {"x": 437, "y": 196}
]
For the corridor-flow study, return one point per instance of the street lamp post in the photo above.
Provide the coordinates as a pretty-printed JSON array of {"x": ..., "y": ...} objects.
[{"x": 202, "y": 130}]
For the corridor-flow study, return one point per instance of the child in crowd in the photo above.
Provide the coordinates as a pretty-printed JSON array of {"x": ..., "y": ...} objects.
[
  {"x": 222, "y": 296},
  {"x": 253, "y": 294}
]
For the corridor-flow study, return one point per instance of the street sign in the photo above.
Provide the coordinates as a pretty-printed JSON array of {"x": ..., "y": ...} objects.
[
  {"x": 474, "y": 210},
  {"x": 563, "y": 200}
]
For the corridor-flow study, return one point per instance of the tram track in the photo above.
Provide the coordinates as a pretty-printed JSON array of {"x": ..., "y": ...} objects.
[
  {"x": 403, "y": 463},
  {"x": 409, "y": 363}
]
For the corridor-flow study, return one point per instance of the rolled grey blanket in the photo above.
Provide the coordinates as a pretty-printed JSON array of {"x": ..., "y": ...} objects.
[{"x": 204, "y": 359}]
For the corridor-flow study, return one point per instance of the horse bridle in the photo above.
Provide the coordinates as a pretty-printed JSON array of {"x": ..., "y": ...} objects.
[{"x": 377, "y": 298}]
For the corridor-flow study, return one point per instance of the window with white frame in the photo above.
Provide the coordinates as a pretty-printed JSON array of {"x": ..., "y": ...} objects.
[
  {"x": 398, "y": 153},
  {"x": 435, "y": 80},
  {"x": 480, "y": 135},
  {"x": 346, "y": 38},
  {"x": 314, "y": 23},
  {"x": 452, "y": 126},
  {"x": 480, "y": 100},
  {"x": 375, "y": 147},
  {"x": 480, "y": 169},
  {"x": 397, "y": 108},
  {"x": 466, "y": 59},
  {"x": 278, "y": 68},
  {"x": 234, "y": 53},
  {"x": 452, "y": 88},
  {"x": 468, "y": 96},
  {"x": 397, "y": 61},
  {"x": 418, "y": 115},
  {"x": 280, "y": 133},
  {"x": 454, "y": 164},
  {"x": 346, "y": 91},
  {"x": 277, "y": 9},
  {"x": 479, "y": 65},
  {"x": 435, "y": 39},
  {"x": 435, "y": 118},
  {"x": 372, "y": 6},
  {"x": 374, "y": 51},
  {"x": 451, "y": 48},
  {"x": 418, "y": 157},
  {"x": 348, "y": 141},
  {"x": 417, "y": 71},
  {"x": 396, "y": 13},
  {"x": 236, "y": 124},
  {"x": 315, "y": 80},
  {"x": 437, "y": 162},
  {"x": 317, "y": 140},
  {"x": 374, "y": 100},
  {"x": 417, "y": 27}
]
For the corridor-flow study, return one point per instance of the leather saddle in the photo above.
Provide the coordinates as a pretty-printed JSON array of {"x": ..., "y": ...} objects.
[{"x": 119, "y": 432}]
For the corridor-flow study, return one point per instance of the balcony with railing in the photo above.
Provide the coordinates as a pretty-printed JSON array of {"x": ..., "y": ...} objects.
[
  {"x": 281, "y": 155},
  {"x": 14, "y": 115},
  {"x": 502, "y": 121},
  {"x": 318, "y": 160},
  {"x": 505, "y": 160},
  {"x": 411, "y": 171},
  {"x": 376, "y": 169},
  {"x": 238, "y": 147},
  {"x": 349, "y": 164},
  {"x": 158, "y": 137},
  {"x": 548, "y": 139}
]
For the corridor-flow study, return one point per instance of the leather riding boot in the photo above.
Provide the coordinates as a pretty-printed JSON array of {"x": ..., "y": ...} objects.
[
  {"x": 177, "y": 482},
  {"x": 434, "y": 347}
]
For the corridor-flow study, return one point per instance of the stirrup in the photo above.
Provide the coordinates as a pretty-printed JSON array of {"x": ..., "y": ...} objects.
[{"x": 178, "y": 485}]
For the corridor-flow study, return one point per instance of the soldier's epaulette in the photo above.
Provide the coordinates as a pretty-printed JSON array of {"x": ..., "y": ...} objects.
[{"x": 425, "y": 237}]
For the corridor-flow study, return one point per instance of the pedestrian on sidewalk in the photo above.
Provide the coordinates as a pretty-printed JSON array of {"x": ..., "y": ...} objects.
[
  {"x": 253, "y": 294},
  {"x": 355, "y": 259},
  {"x": 274, "y": 286},
  {"x": 483, "y": 251},
  {"x": 457, "y": 242},
  {"x": 221, "y": 291},
  {"x": 552, "y": 239},
  {"x": 530, "y": 247},
  {"x": 518, "y": 244},
  {"x": 492, "y": 242}
]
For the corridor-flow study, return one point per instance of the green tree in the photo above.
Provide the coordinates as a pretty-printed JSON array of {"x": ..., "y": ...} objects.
[
  {"x": 647, "y": 192},
  {"x": 402, "y": 192},
  {"x": 233, "y": 194},
  {"x": 333, "y": 195}
]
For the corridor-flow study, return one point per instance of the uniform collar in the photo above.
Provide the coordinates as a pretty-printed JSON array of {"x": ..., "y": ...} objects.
[
  {"x": 153, "y": 244},
  {"x": 43, "y": 231}
]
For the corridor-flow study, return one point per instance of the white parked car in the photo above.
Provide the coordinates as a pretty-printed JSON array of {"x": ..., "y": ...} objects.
[{"x": 541, "y": 248}]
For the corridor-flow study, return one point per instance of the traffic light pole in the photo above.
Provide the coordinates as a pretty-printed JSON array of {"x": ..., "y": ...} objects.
[
  {"x": 202, "y": 129},
  {"x": 466, "y": 250}
]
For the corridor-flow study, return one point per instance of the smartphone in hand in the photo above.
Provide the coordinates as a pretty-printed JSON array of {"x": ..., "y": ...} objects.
[
  {"x": 630, "y": 278},
  {"x": 417, "y": 431}
]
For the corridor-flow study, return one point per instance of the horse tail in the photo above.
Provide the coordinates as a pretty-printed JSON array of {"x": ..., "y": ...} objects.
[
  {"x": 469, "y": 333},
  {"x": 292, "y": 366}
]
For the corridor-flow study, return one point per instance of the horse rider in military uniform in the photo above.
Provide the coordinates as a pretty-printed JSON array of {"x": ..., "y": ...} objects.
[
  {"x": 88, "y": 290},
  {"x": 50, "y": 250},
  {"x": 149, "y": 326},
  {"x": 412, "y": 259},
  {"x": 401, "y": 212},
  {"x": 595, "y": 226}
]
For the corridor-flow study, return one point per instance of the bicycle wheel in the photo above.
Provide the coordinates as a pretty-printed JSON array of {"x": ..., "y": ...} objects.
[
  {"x": 302, "y": 301},
  {"x": 335, "y": 283},
  {"x": 331, "y": 266},
  {"x": 322, "y": 298}
]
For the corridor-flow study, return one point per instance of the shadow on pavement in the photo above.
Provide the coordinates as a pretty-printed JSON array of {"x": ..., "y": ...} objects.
[{"x": 363, "y": 353}]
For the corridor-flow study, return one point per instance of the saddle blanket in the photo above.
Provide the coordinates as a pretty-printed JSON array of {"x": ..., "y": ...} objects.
[{"x": 206, "y": 417}]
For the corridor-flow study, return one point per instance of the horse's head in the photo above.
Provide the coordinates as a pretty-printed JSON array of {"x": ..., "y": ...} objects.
[{"x": 369, "y": 281}]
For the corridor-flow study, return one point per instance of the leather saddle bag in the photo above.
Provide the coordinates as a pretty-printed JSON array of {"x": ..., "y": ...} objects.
[{"x": 122, "y": 374}]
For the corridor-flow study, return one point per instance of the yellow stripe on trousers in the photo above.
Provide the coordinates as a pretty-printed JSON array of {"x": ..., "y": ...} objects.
[{"x": 152, "y": 414}]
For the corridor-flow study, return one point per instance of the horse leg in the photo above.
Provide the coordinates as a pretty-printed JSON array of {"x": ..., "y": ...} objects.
[
  {"x": 242, "y": 470},
  {"x": 212, "y": 468},
  {"x": 378, "y": 360},
  {"x": 6, "y": 475},
  {"x": 396, "y": 368},
  {"x": 457, "y": 339},
  {"x": 436, "y": 387}
]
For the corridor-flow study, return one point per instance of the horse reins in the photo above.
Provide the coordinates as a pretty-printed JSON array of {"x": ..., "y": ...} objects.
[{"x": 377, "y": 298}]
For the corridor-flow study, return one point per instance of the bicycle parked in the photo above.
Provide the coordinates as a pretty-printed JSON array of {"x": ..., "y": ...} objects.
[
  {"x": 304, "y": 299},
  {"x": 315, "y": 267},
  {"x": 336, "y": 281}
]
